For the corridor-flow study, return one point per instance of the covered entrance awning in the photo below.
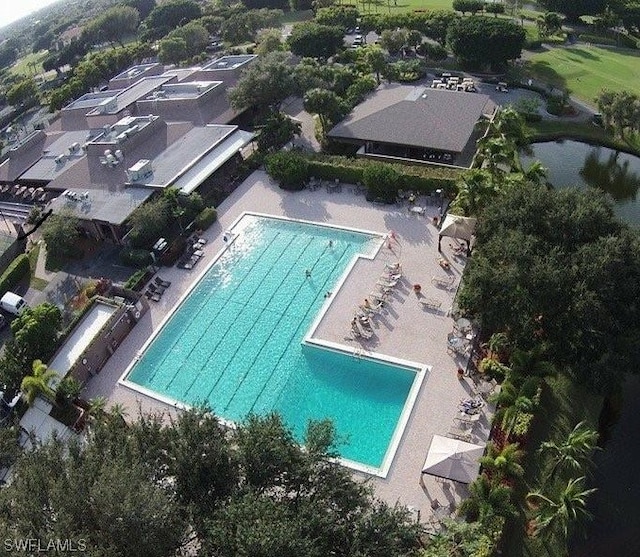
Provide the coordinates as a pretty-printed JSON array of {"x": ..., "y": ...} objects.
[{"x": 453, "y": 459}]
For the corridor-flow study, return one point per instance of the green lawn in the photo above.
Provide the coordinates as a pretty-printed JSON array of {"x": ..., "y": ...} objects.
[
  {"x": 30, "y": 64},
  {"x": 586, "y": 70}
]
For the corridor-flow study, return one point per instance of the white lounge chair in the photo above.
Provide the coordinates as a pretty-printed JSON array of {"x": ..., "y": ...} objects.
[
  {"x": 430, "y": 303},
  {"x": 443, "y": 282}
]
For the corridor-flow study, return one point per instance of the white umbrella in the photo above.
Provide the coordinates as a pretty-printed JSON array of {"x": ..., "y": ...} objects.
[
  {"x": 456, "y": 226},
  {"x": 453, "y": 459}
]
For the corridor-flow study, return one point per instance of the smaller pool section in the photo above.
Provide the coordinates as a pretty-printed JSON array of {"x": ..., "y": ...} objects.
[{"x": 235, "y": 343}]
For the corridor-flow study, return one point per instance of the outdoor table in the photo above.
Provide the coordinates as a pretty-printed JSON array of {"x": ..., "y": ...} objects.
[{"x": 463, "y": 325}]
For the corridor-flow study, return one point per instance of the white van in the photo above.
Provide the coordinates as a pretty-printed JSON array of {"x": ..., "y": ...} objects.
[{"x": 13, "y": 303}]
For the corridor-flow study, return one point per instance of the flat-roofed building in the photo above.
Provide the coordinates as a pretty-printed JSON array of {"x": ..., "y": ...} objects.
[
  {"x": 134, "y": 74},
  {"x": 227, "y": 69},
  {"x": 200, "y": 102},
  {"x": 74, "y": 115},
  {"x": 123, "y": 103},
  {"x": 138, "y": 156}
]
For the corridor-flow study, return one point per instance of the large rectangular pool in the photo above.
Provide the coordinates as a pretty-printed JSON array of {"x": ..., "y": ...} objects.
[{"x": 236, "y": 341}]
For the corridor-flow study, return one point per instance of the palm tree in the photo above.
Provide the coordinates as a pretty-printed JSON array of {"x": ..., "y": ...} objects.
[
  {"x": 509, "y": 415},
  {"x": 509, "y": 123},
  {"x": 505, "y": 463},
  {"x": 496, "y": 153},
  {"x": 574, "y": 453},
  {"x": 556, "y": 518},
  {"x": 39, "y": 382},
  {"x": 487, "y": 499},
  {"x": 475, "y": 191},
  {"x": 531, "y": 363}
]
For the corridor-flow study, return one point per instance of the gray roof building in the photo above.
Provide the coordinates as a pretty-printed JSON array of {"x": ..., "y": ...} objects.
[{"x": 415, "y": 117}]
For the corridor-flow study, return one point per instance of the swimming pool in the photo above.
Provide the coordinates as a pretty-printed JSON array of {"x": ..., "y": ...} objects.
[{"x": 236, "y": 341}]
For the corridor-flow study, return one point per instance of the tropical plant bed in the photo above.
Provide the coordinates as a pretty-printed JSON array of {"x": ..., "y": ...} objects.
[
  {"x": 563, "y": 404},
  {"x": 67, "y": 414}
]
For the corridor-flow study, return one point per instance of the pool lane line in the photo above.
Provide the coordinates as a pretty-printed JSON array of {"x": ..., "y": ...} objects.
[{"x": 293, "y": 336}]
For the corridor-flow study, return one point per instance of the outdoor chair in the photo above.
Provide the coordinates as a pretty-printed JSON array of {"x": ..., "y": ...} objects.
[
  {"x": 443, "y": 282},
  {"x": 154, "y": 296},
  {"x": 156, "y": 289},
  {"x": 430, "y": 303},
  {"x": 161, "y": 282}
]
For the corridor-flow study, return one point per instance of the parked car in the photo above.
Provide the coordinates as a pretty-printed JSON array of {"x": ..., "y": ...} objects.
[{"x": 12, "y": 303}]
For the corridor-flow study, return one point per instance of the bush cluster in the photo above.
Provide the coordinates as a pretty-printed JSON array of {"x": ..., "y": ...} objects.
[
  {"x": 135, "y": 257},
  {"x": 16, "y": 271},
  {"x": 206, "y": 218}
]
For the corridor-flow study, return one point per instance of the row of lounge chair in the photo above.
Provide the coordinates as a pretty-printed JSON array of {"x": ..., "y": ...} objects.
[
  {"x": 156, "y": 289},
  {"x": 193, "y": 253},
  {"x": 361, "y": 322}
]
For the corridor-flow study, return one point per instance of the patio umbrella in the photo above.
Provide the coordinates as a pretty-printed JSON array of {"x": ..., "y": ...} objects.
[
  {"x": 453, "y": 459},
  {"x": 457, "y": 226}
]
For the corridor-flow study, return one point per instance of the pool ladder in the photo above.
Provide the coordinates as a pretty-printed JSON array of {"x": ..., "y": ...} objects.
[{"x": 358, "y": 353}]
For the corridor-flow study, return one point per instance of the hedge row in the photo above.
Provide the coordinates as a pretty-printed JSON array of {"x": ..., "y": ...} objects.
[
  {"x": 423, "y": 179},
  {"x": 16, "y": 271},
  {"x": 136, "y": 280}
]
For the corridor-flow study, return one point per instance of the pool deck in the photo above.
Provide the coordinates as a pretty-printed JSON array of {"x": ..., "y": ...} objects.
[{"x": 404, "y": 329}]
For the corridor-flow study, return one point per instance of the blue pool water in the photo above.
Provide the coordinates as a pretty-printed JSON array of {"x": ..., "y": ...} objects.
[{"x": 235, "y": 343}]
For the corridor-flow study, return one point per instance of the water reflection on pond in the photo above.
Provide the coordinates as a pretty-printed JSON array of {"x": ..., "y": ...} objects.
[{"x": 576, "y": 164}]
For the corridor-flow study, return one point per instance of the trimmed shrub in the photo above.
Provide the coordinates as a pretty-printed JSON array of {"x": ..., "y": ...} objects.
[
  {"x": 382, "y": 182},
  {"x": 16, "y": 271},
  {"x": 206, "y": 218},
  {"x": 289, "y": 168},
  {"x": 136, "y": 280},
  {"x": 133, "y": 257}
]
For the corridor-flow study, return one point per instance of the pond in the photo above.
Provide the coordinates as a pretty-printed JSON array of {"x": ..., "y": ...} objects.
[{"x": 577, "y": 164}]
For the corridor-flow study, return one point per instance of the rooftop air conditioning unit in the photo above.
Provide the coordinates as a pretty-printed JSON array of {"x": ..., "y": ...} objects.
[
  {"x": 74, "y": 147},
  {"x": 60, "y": 159},
  {"x": 139, "y": 170},
  {"x": 119, "y": 155}
]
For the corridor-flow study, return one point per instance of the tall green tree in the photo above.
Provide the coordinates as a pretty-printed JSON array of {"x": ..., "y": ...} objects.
[
  {"x": 265, "y": 84},
  {"x": 276, "y": 131},
  {"x": 314, "y": 40},
  {"x": 558, "y": 267},
  {"x": 35, "y": 332},
  {"x": 143, "y": 7},
  {"x": 573, "y": 9},
  {"x": 172, "y": 50},
  {"x": 326, "y": 104},
  {"x": 60, "y": 234},
  {"x": 24, "y": 91},
  {"x": 156, "y": 487},
  {"x": 504, "y": 463},
  {"x": 169, "y": 15},
  {"x": 485, "y": 42},
  {"x": 115, "y": 24},
  {"x": 376, "y": 60},
  {"x": 486, "y": 500}
]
